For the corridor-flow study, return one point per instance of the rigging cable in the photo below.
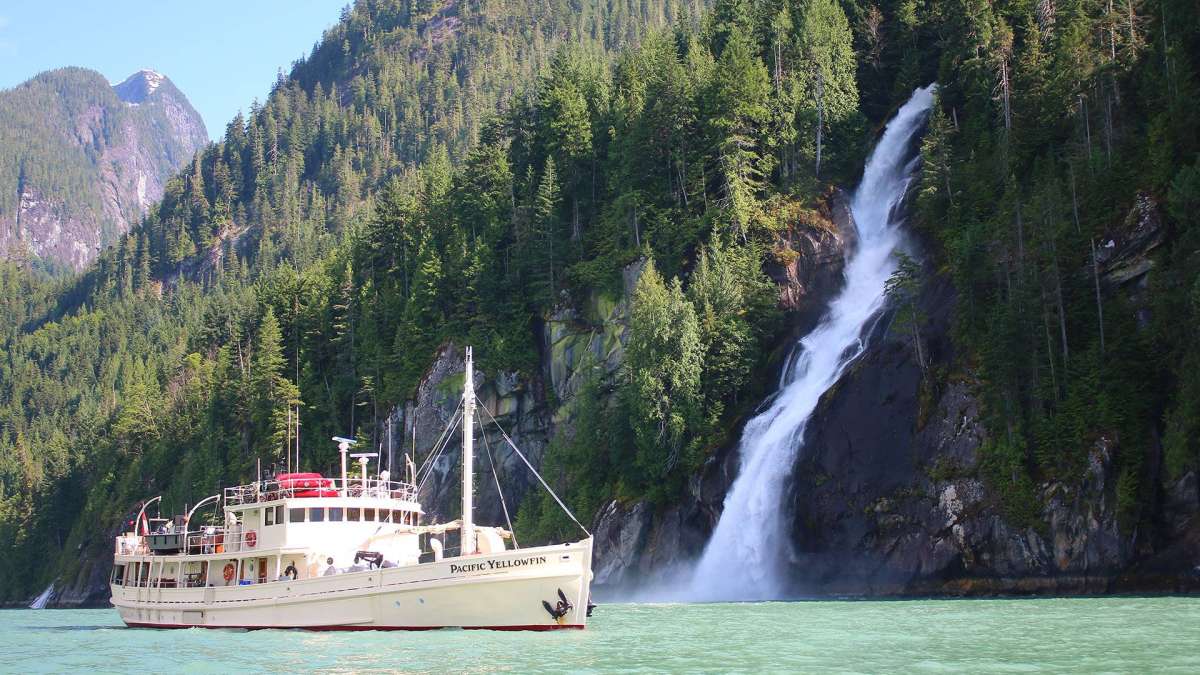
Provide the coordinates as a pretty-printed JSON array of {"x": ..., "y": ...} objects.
[
  {"x": 439, "y": 445},
  {"x": 436, "y": 452},
  {"x": 495, "y": 477},
  {"x": 535, "y": 472}
]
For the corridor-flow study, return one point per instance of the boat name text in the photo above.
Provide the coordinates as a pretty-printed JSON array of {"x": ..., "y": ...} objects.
[{"x": 491, "y": 565}]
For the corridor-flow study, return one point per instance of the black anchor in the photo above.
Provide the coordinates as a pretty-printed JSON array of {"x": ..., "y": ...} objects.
[{"x": 560, "y": 609}]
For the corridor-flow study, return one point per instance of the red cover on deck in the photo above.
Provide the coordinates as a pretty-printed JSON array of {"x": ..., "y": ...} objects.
[
  {"x": 316, "y": 493},
  {"x": 303, "y": 480}
]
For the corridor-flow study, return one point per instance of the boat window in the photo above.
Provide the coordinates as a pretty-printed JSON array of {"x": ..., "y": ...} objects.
[
  {"x": 353, "y": 514},
  {"x": 397, "y": 516},
  {"x": 279, "y": 514},
  {"x": 270, "y": 514},
  {"x": 368, "y": 514},
  {"x": 385, "y": 516},
  {"x": 335, "y": 514},
  {"x": 118, "y": 575},
  {"x": 316, "y": 515},
  {"x": 296, "y": 515}
]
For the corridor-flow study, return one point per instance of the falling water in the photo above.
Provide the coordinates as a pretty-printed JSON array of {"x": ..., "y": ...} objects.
[
  {"x": 40, "y": 601},
  {"x": 743, "y": 558}
]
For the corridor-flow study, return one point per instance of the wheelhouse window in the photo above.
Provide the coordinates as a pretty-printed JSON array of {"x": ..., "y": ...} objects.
[
  {"x": 353, "y": 514},
  {"x": 270, "y": 517},
  {"x": 397, "y": 516},
  {"x": 335, "y": 514},
  {"x": 316, "y": 515},
  {"x": 296, "y": 515},
  {"x": 369, "y": 514},
  {"x": 279, "y": 514}
]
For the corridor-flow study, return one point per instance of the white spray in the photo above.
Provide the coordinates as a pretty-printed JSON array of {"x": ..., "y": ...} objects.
[
  {"x": 40, "y": 601},
  {"x": 744, "y": 557}
]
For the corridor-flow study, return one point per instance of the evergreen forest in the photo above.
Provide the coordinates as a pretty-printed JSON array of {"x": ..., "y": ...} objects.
[{"x": 456, "y": 172}]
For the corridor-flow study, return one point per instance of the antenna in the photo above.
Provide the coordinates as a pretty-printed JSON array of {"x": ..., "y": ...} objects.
[
  {"x": 344, "y": 445},
  {"x": 363, "y": 458}
]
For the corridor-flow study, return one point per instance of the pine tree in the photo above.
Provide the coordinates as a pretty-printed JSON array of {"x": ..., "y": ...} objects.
[
  {"x": 546, "y": 249},
  {"x": 662, "y": 374},
  {"x": 739, "y": 113},
  {"x": 827, "y": 44},
  {"x": 274, "y": 395}
]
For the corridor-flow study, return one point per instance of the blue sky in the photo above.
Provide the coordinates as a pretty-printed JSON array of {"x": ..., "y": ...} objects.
[{"x": 221, "y": 53}]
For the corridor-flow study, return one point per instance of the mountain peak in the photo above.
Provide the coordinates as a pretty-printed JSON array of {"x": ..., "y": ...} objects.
[{"x": 141, "y": 85}]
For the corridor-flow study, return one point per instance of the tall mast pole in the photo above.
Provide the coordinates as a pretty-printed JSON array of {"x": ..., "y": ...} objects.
[{"x": 468, "y": 464}]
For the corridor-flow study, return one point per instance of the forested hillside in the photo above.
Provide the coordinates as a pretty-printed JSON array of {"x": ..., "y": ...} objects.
[
  {"x": 456, "y": 172},
  {"x": 81, "y": 161}
]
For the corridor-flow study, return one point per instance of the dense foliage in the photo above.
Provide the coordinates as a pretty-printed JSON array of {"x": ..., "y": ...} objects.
[
  {"x": 392, "y": 193},
  {"x": 48, "y": 150},
  {"x": 457, "y": 172},
  {"x": 1064, "y": 128}
]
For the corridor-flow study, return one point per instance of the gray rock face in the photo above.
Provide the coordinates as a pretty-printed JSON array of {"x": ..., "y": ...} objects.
[
  {"x": 128, "y": 140},
  {"x": 814, "y": 251},
  {"x": 638, "y": 548},
  {"x": 886, "y": 498},
  {"x": 518, "y": 410}
]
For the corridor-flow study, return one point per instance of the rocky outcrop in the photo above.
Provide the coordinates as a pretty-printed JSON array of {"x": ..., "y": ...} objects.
[
  {"x": 519, "y": 410},
  {"x": 102, "y": 160},
  {"x": 1125, "y": 256},
  {"x": 639, "y": 547},
  {"x": 888, "y": 498},
  {"x": 811, "y": 254}
]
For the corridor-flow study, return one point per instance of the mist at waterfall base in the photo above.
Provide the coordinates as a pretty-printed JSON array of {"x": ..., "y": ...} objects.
[{"x": 746, "y": 555}]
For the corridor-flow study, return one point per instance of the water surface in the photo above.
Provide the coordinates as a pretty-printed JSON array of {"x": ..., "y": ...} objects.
[{"x": 1127, "y": 635}]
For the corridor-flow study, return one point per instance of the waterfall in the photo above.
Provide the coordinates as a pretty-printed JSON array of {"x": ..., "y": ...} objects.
[
  {"x": 40, "y": 601},
  {"x": 744, "y": 557}
]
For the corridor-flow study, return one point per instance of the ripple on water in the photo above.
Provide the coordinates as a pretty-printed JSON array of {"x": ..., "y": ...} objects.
[{"x": 933, "y": 636}]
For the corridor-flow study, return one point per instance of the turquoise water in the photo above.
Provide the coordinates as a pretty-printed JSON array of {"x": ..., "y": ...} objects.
[{"x": 1130, "y": 635}]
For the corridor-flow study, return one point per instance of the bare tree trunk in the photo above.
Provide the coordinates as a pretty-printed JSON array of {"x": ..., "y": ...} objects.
[
  {"x": 575, "y": 226},
  {"x": 1099, "y": 303},
  {"x": 820, "y": 120},
  {"x": 1049, "y": 346},
  {"x": 1087, "y": 128},
  {"x": 1020, "y": 243},
  {"x": 1074, "y": 198},
  {"x": 1004, "y": 88},
  {"x": 1108, "y": 129}
]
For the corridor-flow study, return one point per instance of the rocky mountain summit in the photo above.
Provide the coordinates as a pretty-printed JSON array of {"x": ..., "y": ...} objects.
[{"x": 81, "y": 161}]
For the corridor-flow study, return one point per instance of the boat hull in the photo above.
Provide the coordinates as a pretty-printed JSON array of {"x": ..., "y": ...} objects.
[{"x": 504, "y": 591}]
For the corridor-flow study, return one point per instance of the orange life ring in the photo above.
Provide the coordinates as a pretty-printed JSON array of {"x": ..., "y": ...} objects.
[
  {"x": 251, "y": 539},
  {"x": 229, "y": 571}
]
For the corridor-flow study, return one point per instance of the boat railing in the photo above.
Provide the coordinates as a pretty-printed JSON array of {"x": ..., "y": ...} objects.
[
  {"x": 132, "y": 544},
  {"x": 221, "y": 540},
  {"x": 271, "y": 490},
  {"x": 206, "y": 540}
]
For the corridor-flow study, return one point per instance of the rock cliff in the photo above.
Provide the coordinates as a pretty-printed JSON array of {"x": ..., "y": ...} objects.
[
  {"x": 99, "y": 158},
  {"x": 887, "y": 496}
]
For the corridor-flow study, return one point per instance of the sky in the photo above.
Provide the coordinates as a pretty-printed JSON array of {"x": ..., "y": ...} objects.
[{"x": 222, "y": 54}]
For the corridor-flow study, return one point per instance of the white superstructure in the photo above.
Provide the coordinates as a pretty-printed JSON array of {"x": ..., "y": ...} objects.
[{"x": 304, "y": 551}]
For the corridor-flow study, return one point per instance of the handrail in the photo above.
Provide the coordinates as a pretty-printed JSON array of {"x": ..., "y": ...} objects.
[
  {"x": 188, "y": 518},
  {"x": 272, "y": 490},
  {"x": 142, "y": 512}
]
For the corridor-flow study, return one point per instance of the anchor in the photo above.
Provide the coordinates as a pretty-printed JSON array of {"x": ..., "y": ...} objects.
[{"x": 559, "y": 609}]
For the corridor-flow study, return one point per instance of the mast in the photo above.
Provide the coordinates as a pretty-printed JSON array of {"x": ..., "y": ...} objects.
[{"x": 468, "y": 464}]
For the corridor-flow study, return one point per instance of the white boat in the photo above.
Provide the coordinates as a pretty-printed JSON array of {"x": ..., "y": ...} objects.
[{"x": 304, "y": 551}]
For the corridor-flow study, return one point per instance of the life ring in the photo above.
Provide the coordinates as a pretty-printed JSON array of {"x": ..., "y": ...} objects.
[
  {"x": 228, "y": 572},
  {"x": 251, "y": 539}
]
